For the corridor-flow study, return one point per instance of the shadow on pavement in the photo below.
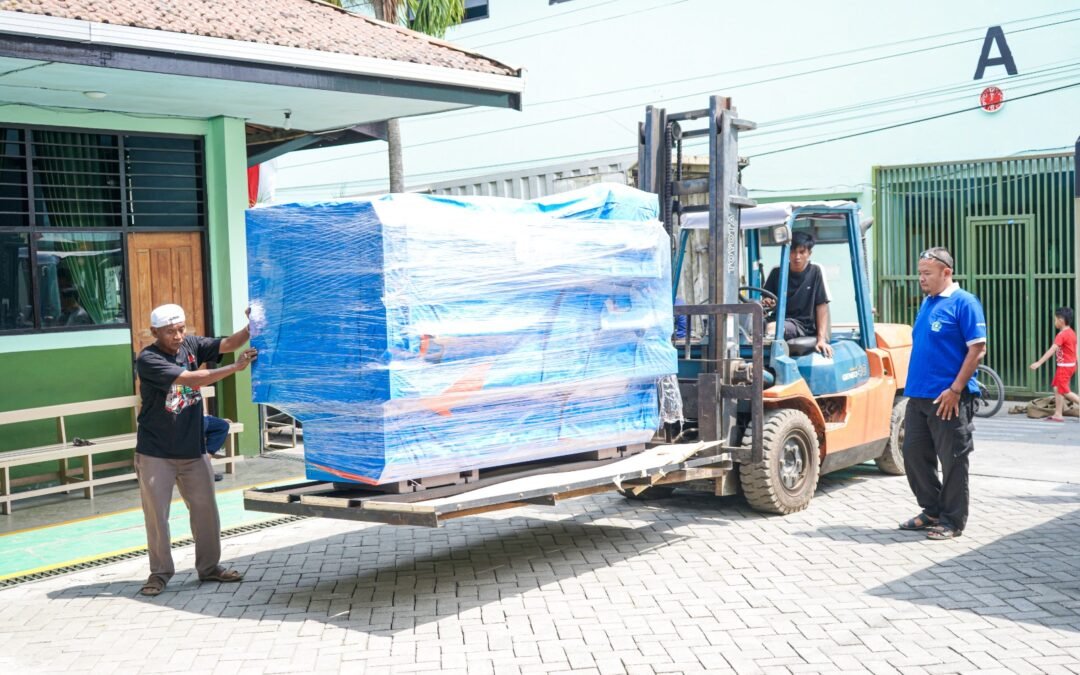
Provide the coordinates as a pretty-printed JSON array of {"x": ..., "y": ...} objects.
[
  {"x": 1032, "y": 576},
  {"x": 384, "y": 579},
  {"x": 1067, "y": 493},
  {"x": 885, "y": 535}
]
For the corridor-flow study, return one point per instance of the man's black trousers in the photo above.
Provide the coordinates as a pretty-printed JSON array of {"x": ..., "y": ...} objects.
[{"x": 930, "y": 440}]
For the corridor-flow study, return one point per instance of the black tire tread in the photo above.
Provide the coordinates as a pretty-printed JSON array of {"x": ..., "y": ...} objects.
[
  {"x": 758, "y": 480},
  {"x": 891, "y": 461}
]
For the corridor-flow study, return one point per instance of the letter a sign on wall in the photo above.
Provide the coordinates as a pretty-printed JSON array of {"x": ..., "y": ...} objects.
[{"x": 995, "y": 36}]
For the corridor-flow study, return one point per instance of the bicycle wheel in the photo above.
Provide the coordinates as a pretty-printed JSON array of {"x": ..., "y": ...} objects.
[{"x": 991, "y": 392}]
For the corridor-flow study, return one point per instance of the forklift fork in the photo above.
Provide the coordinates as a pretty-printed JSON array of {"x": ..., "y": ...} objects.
[{"x": 727, "y": 377}]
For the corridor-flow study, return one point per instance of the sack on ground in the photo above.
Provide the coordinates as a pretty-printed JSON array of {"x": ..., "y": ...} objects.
[{"x": 1044, "y": 407}]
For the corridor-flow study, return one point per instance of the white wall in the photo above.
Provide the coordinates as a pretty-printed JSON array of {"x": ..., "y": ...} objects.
[{"x": 593, "y": 65}]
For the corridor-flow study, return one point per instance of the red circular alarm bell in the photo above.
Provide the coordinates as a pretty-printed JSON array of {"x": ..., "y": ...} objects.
[{"x": 991, "y": 99}]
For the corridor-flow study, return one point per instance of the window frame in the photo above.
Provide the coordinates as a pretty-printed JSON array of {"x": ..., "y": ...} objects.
[
  {"x": 487, "y": 12},
  {"x": 30, "y": 226}
]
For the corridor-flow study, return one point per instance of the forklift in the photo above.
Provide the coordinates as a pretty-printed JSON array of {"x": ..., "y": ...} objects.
[
  {"x": 761, "y": 416},
  {"x": 815, "y": 414}
]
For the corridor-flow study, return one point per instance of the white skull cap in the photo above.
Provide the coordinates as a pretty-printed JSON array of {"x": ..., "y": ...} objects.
[{"x": 166, "y": 315}]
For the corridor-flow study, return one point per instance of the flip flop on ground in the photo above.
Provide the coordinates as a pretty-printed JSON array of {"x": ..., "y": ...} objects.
[
  {"x": 942, "y": 532},
  {"x": 919, "y": 522},
  {"x": 223, "y": 575},
  {"x": 153, "y": 586}
]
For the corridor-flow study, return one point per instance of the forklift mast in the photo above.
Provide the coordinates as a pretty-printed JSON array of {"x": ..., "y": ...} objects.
[
  {"x": 722, "y": 382},
  {"x": 725, "y": 377}
]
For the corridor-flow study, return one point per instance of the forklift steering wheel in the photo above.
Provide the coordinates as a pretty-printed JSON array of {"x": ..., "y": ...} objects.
[{"x": 746, "y": 299}]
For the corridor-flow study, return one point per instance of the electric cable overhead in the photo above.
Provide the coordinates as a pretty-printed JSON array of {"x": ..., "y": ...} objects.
[
  {"x": 910, "y": 122},
  {"x": 766, "y": 128},
  {"x": 827, "y": 120},
  {"x": 638, "y": 104},
  {"x": 757, "y": 149},
  {"x": 578, "y": 25},
  {"x": 547, "y": 17},
  {"x": 630, "y": 149},
  {"x": 965, "y": 86},
  {"x": 788, "y": 62}
]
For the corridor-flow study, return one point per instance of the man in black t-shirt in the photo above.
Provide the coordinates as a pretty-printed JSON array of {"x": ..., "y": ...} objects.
[
  {"x": 807, "y": 310},
  {"x": 170, "y": 442}
]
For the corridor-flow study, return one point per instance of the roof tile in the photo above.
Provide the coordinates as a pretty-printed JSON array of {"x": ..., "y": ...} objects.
[{"x": 305, "y": 24}]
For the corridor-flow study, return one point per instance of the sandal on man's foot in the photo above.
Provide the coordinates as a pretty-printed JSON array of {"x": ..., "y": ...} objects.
[
  {"x": 223, "y": 575},
  {"x": 919, "y": 522},
  {"x": 153, "y": 586},
  {"x": 942, "y": 532}
]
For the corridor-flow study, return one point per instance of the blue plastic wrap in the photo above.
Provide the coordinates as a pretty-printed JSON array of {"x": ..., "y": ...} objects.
[{"x": 419, "y": 335}]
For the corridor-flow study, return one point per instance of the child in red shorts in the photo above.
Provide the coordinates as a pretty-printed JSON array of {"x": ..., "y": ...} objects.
[{"x": 1065, "y": 348}]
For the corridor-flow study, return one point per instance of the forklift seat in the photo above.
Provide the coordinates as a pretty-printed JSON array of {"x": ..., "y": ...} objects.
[{"x": 801, "y": 346}]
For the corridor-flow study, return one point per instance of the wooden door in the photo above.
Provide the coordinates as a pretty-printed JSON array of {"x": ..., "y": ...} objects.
[{"x": 164, "y": 267}]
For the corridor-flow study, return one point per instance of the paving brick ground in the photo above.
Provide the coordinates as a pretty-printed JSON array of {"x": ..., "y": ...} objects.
[{"x": 598, "y": 585}]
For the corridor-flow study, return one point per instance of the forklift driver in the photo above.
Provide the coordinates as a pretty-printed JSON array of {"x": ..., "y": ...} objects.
[{"x": 807, "y": 296}]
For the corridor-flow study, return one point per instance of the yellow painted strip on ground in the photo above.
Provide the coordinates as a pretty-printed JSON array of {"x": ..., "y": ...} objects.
[
  {"x": 76, "y": 561},
  {"x": 137, "y": 508},
  {"x": 70, "y": 522},
  {"x": 99, "y": 556}
]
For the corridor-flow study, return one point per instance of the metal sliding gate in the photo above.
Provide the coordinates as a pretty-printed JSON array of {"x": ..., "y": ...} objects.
[{"x": 1011, "y": 226}]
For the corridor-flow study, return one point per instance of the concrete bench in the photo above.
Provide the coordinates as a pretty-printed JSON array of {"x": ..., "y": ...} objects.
[{"x": 85, "y": 477}]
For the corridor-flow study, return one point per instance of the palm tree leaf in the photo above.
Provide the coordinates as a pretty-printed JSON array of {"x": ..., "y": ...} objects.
[{"x": 434, "y": 17}]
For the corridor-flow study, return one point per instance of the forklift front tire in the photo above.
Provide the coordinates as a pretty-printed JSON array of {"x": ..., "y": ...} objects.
[
  {"x": 785, "y": 480},
  {"x": 892, "y": 459}
]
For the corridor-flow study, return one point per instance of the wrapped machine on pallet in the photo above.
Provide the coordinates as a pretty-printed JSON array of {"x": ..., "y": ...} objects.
[{"x": 417, "y": 335}]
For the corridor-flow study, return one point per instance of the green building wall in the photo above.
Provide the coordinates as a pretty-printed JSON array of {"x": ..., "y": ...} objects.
[
  {"x": 56, "y": 376},
  {"x": 55, "y": 368}
]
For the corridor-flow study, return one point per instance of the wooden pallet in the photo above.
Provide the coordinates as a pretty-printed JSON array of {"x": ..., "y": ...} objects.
[
  {"x": 546, "y": 482},
  {"x": 473, "y": 475}
]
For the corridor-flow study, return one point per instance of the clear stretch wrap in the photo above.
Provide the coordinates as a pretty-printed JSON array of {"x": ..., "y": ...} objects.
[{"x": 418, "y": 335}]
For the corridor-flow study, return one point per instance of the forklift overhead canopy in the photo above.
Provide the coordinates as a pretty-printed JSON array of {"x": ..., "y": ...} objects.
[
  {"x": 763, "y": 215},
  {"x": 826, "y": 220}
]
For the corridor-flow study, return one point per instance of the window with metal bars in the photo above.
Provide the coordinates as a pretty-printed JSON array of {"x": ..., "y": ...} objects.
[{"x": 67, "y": 197}]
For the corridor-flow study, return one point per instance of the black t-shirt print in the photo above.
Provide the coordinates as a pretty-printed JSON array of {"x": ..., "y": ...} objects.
[
  {"x": 805, "y": 292},
  {"x": 171, "y": 418}
]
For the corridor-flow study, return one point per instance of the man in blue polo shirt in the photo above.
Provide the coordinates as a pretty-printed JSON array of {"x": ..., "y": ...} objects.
[{"x": 949, "y": 339}]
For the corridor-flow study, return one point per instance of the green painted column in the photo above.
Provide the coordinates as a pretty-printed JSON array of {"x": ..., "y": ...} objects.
[{"x": 226, "y": 187}]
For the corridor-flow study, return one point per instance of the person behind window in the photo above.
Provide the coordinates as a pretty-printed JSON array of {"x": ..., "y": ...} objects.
[
  {"x": 71, "y": 312},
  {"x": 807, "y": 296}
]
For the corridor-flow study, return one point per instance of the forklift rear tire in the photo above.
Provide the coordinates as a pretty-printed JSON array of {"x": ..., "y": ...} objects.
[
  {"x": 785, "y": 480},
  {"x": 892, "y": 460}
]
